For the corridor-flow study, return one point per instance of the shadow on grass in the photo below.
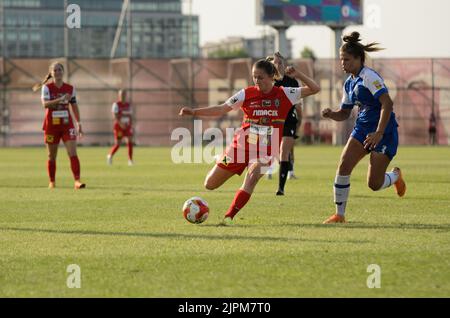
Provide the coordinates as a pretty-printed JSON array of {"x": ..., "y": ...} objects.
[
  {"x": 178, "y": 235},
  {"x": 394, "y": 196},
  {"x": 350, "y": 225}
]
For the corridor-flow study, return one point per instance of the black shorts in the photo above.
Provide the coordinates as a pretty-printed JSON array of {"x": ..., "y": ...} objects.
[{"x": 290, "y": 125}]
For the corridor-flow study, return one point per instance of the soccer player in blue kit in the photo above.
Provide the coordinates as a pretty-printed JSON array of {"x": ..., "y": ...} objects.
[{"x": 375, "y": 131}]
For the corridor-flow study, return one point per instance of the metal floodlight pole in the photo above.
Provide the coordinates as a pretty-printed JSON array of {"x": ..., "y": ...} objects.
[
  {"x": 129, "y": 31},
  {"x": 281, "y": 40},
  {"x": 341, "y": 133},
  {"x": 119, "y": 28},
  {"x": 189, "y": 29},
  {"x": 66, "y": 31},
  {"x": 432, "y": 87},
  {"x": 130, "y": 53},
  {"x": 4, "y": 112}
]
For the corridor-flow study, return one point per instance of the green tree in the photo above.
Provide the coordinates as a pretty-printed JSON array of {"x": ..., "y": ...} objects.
[
  {"x": 229, "y": 53},
  {"x": 308, "y": 53}
]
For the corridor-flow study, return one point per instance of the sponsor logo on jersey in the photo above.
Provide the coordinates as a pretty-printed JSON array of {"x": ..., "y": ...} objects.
[
  {"x": 292, "y": 91},
  {"x": 265, "y": 112},
  {"x": 254, "y": 104},
  {"x": 377, "y": 84},
  {"x": 233, "y": 100},
  {"x": 267, "y": 103},
  {"x": 226, "y": 160},
  {"x": 50, "y": 138}
]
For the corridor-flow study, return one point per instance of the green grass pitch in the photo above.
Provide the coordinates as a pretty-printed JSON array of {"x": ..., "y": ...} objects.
[{"x": 127, "y": 233}]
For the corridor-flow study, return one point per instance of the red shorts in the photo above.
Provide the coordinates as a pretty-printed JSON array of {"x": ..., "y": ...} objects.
[
  {"x": 236, "y": 161},
  {"x": 119, "y": 133},
  {"x": 53, "y": 137}
]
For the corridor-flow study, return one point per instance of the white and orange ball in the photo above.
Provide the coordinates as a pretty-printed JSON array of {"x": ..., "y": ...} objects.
[{"x": 195, "y": 210}]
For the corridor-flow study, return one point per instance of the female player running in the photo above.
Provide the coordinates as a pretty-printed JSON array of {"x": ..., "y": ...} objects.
[
  {"x": 122, "y": 127},
  {"x": 375, "y": 131},
  {"x": 265, "y": 108},
  {"x": 57, "y": 97},
  {"x": 290, "y": 125}
]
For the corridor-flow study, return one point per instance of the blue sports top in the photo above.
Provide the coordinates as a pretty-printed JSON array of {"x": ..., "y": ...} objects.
[{"x": 364, "y": 91}]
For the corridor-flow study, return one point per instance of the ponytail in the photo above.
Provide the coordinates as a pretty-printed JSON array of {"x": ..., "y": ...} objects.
[
  {"x": 37, "y": 87},
  {"x": 353, "y": 47}
]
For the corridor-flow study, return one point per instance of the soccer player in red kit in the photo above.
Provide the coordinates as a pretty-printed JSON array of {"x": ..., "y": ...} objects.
[
  {"x": 57, "y": 97},
  {"x": 122, "y": 127},
  {"x": 257, "y": 142}
]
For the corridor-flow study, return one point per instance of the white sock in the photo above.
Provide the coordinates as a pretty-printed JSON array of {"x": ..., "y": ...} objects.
[
  {"x": 389, "y": 179},
  {"x": 341, "y": 191}
]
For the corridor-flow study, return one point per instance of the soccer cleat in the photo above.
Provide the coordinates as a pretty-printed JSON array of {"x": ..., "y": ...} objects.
[
  {"x": 109, "y": 160},
  {"x": 291, "y": 175},
  {"x": 227, "y": 221},
  {"x": 335, "y": 218},
  {"x": 51, "y": 185},
  {"x": 279, "y": 192},
  {"x": 399, "y": 185},
  {"x": 130, "y": 162},
  {"x": 79, "y": 185}
]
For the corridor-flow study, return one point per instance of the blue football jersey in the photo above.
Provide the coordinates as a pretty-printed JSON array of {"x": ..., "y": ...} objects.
[{"x": 364, "y": 91}]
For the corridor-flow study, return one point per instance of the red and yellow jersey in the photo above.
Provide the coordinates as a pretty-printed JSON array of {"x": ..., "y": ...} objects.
[
  {"x": 58, "y": 118},
  {"x": 264, "y": 116},
  {"x": 124, "y": 114}
]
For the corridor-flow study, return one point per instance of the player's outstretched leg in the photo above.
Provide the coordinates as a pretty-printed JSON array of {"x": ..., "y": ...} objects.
[
  {"x": 379, "y": 179},
  {"x": 291, "y": 174},
  {"x": 71, "y": 147},
  {"x": 351, "y": 155},
  {"x": 240, "y": 200},
  {"x": 341, "y": 191},
  {"x": 130, "y": 151},
  {"x": 243, "y": 195},
  {"x": 113, "y": 150},
  {"x": 51, "y": 169},
  {"x": 52, "y": 150},
  {"x": 75, "y": 166},
  {"x": 287, "y": 144}
]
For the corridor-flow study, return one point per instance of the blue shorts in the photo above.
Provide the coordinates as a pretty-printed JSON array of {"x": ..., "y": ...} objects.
[{"x": 388, "y": 145}]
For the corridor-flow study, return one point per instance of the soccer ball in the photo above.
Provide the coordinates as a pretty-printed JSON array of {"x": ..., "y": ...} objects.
[{"x": 195, "y": 210}]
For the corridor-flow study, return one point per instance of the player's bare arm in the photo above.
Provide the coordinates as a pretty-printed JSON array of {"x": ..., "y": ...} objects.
[
  {"x": 76, "y": 113},
  {"x": 339, "y": 115},
  {"x": 311, "y": 87},
  {"x": 55, "y": 102},
  {"x": 212, "y": 111}
]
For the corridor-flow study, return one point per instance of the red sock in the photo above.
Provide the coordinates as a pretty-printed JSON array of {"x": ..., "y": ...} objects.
[
  {"x": 114, "y": 149},
  {"x": 51, "y": 169},
  {"x": 75, "y": 165},
  {"x": 130, "y": 150},
  {"x": 240, "y": 200}
]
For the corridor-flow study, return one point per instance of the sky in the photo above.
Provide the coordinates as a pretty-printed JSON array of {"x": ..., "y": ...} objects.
[{"x": 406, "y": 28}]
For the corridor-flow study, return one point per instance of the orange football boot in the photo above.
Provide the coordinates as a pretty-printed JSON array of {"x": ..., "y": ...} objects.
[
  {"x": 335, "y": 218},
  {"x": 79, "y": 185},
  {"x": 399, "y": 185}
]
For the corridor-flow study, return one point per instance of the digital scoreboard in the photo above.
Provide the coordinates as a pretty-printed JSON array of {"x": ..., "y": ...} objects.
[{"x": 334, "y": 13}]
